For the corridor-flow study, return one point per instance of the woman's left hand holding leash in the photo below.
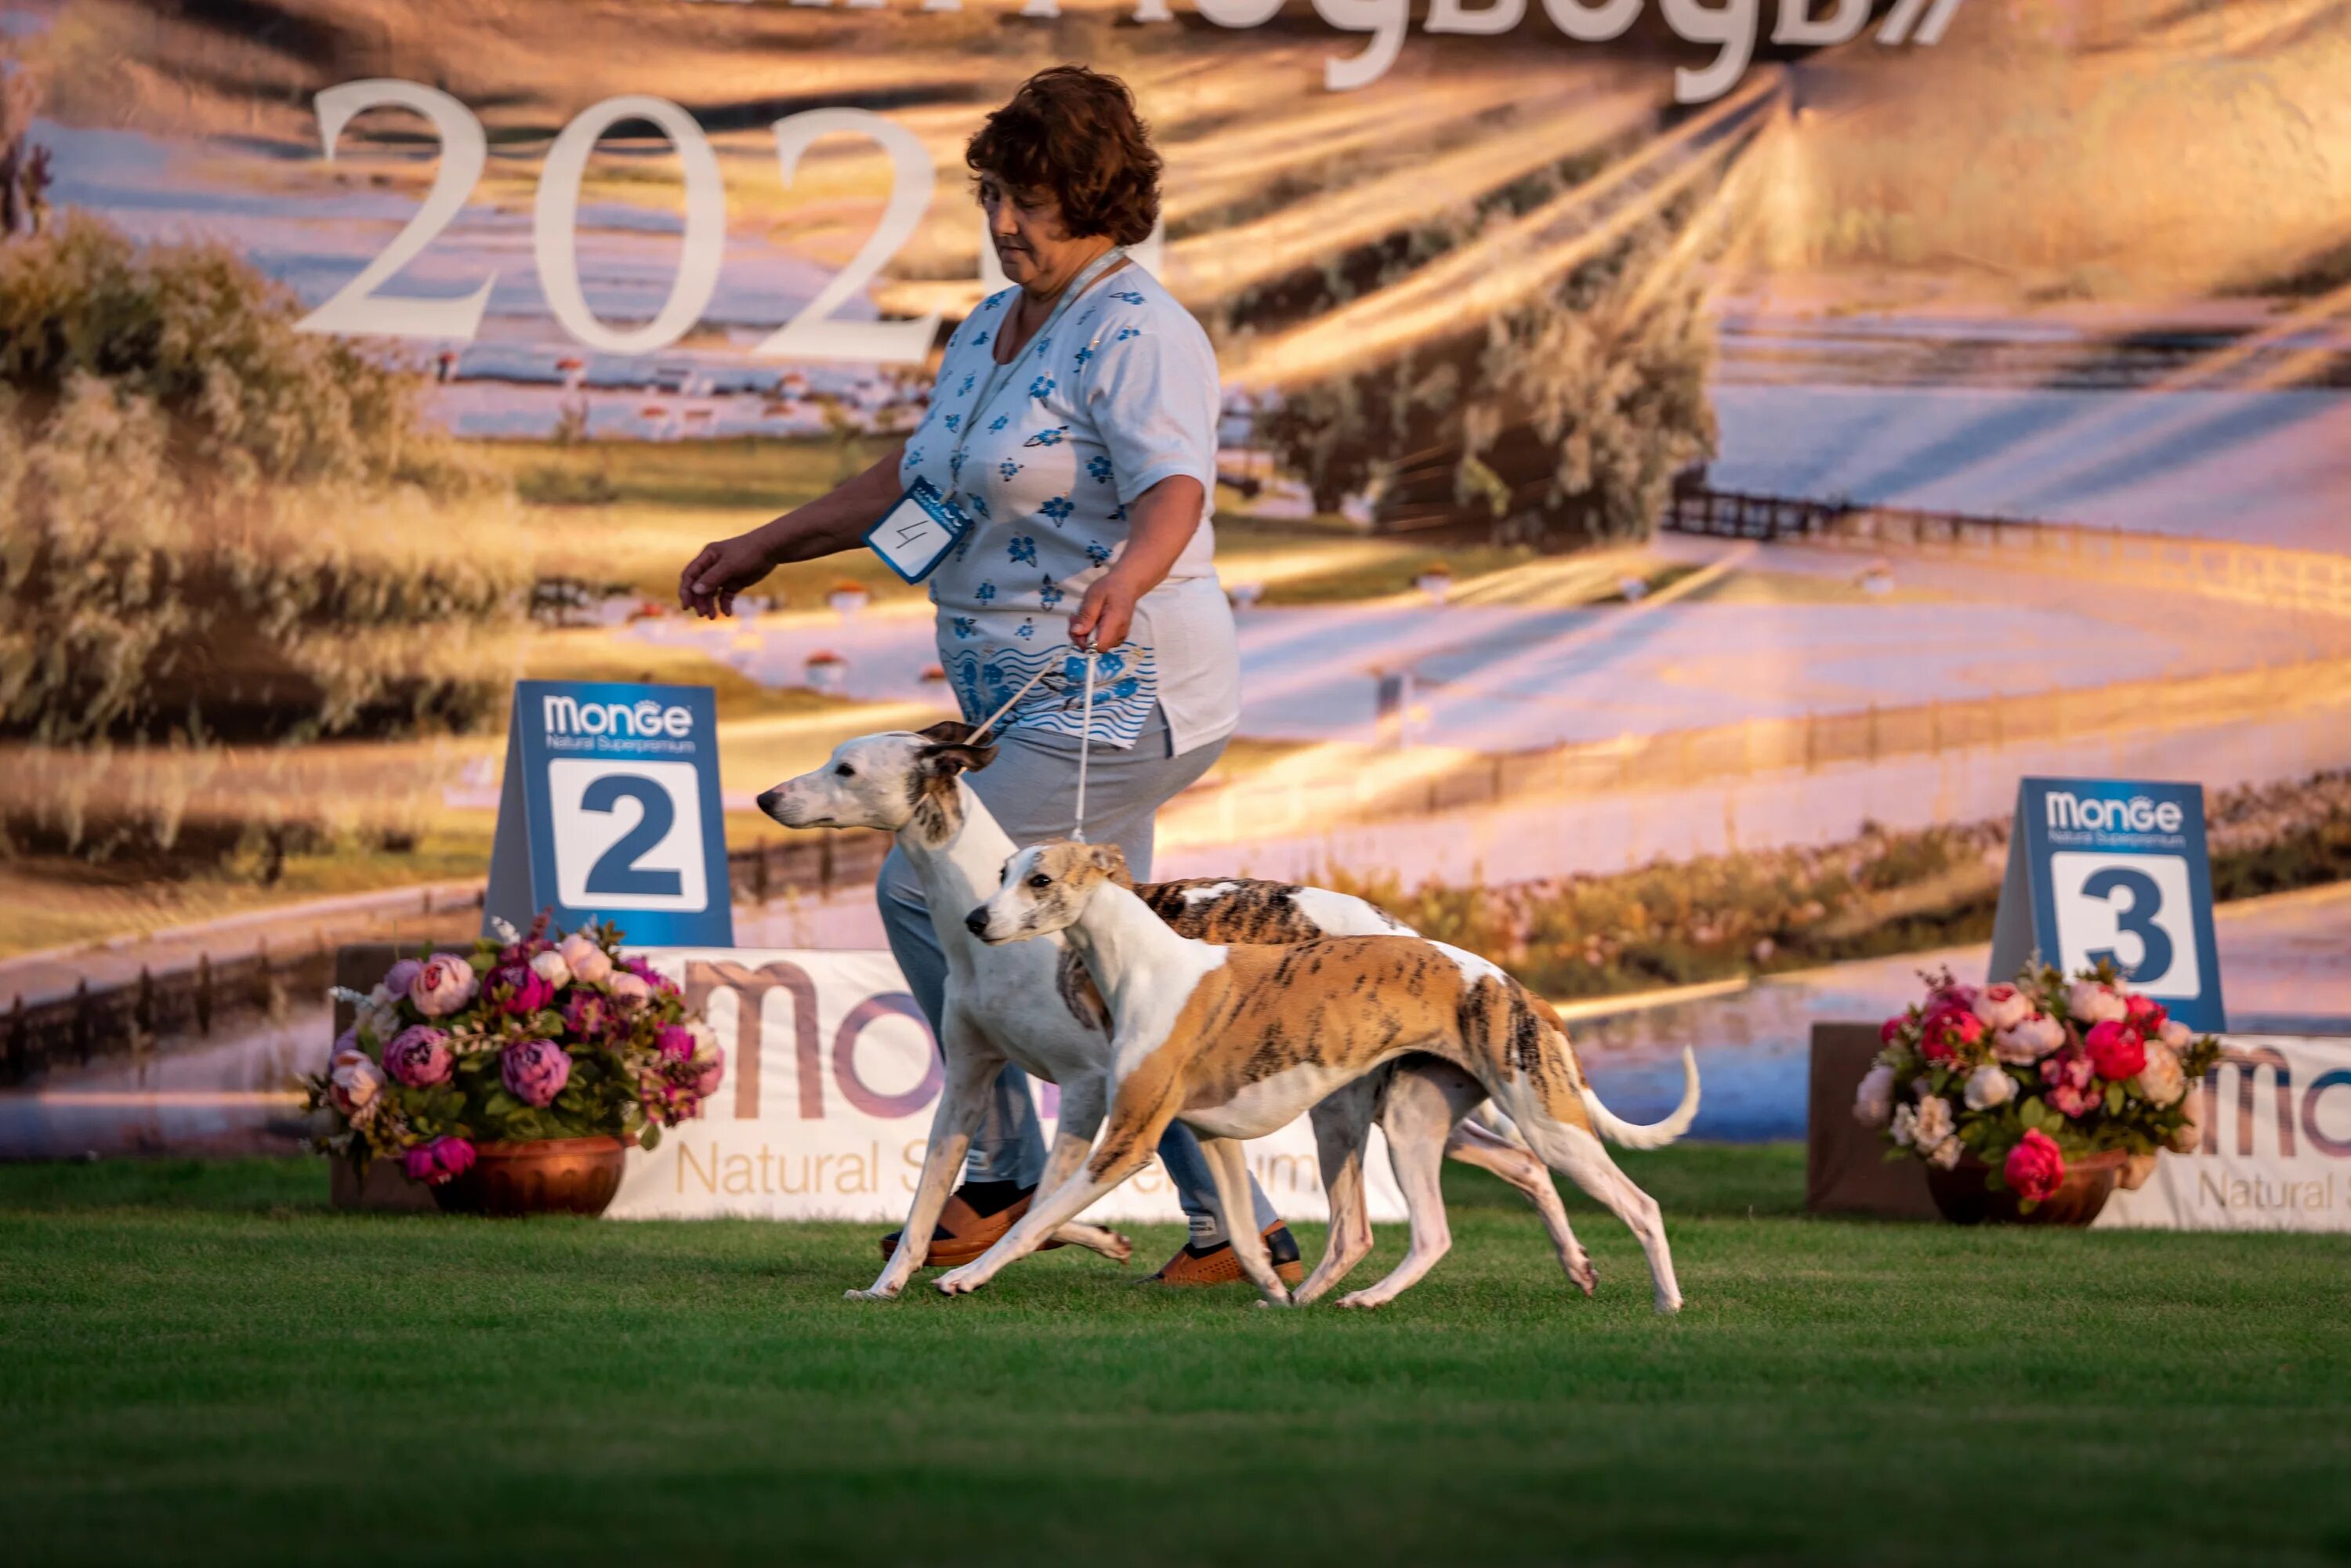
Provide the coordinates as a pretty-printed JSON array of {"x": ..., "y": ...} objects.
[{"x": 1106, "y": 614}]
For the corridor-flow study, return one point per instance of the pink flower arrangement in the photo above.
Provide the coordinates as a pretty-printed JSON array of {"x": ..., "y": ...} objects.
[
  {"x": 2016, "y": 1079},
  {"x": 532, "y": 1037}
]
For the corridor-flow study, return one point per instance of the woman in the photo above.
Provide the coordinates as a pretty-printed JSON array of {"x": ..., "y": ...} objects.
[{"x": 1073, "y": 422}]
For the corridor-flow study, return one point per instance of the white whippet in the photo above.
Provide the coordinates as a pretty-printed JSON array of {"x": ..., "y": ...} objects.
[
  {"x": 1235, "y": 1040},
  {"x": 1033, "y": 1005}
]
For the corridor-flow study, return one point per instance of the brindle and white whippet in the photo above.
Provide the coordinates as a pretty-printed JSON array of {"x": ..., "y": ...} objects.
[
  {"x": 1235, "y": 1040},
  {"x": 1033, "y": 1004}
]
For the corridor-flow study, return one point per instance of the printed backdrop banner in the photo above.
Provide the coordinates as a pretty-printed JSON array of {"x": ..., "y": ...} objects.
[
  {"x": 2276, "y": 1154},
  {"x": 832, "y": 1079}
]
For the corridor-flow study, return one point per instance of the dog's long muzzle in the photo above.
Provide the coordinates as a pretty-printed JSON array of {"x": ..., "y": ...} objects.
[{"x": 976, "y": 922}]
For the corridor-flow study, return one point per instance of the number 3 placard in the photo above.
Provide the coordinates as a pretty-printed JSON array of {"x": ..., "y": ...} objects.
[
  {"x": 2134, "y": 912},
  {"x": 2102, "y": 871},
  {"x": 612, "y": 811}
]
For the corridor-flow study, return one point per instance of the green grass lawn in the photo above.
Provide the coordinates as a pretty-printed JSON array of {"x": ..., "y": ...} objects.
[{"x": 203, "y": 1363}]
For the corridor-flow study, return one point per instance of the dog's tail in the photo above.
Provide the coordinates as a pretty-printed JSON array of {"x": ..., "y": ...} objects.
[{"x": 1656, "y": 1134}]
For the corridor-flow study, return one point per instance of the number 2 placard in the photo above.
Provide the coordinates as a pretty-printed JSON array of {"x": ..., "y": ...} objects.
[
  {"x": 628, "y": 834},
  {"x": 612, "y": 811}
]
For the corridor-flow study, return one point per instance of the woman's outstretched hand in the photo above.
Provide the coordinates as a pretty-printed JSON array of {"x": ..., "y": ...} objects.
[
  {"x": 725, "y": 567},
  {"x": 836, "y": 520}
]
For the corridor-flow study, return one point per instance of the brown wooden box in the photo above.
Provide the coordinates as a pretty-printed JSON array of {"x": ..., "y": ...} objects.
[{"x": 1845, "y": 1167}]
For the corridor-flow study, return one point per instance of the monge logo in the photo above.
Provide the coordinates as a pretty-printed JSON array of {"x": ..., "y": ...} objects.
[
  {"x": 2098, "y": 814},
  {"x": 643, "y": 720}
]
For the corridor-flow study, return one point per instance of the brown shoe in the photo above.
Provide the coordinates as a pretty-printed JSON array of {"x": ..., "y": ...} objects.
[
  {"x": 963, "y": 1232},
  {"x": 1218, "y": 1266}
]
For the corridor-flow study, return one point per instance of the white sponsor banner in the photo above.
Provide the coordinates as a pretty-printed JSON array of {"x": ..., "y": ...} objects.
[
  {"x": 2276, "y": 1149},
  {"x": 832, "y": 1080}
]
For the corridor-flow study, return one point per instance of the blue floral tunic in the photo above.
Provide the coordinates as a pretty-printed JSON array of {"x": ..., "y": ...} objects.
[{"x": 1117, "y": 394}]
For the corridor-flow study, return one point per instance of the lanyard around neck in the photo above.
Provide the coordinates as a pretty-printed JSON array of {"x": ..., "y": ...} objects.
[{"x": 997, "y": 376}]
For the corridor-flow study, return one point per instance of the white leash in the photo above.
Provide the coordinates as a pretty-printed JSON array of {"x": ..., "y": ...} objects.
[
  {"x": 987, "y": 723},
  {"x": 1085, "y": 734},
  {"x": 1085, "y": 746}
]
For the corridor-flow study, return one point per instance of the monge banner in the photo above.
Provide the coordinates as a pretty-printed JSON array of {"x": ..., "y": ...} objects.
[
  {"x": 832, "y": 1077},
  {"x": 2276, "y": 1150}
]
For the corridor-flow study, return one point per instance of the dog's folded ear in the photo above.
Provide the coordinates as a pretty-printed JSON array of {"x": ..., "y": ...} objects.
[
  {"x": 945, "y": 761},
  {"x": 1112, "y": 861},
  {"x": 949, "y": 732}
]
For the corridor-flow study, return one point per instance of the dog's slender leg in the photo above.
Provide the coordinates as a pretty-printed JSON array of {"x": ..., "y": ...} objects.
[
  {"x": 1228, "y": 1162},
  {"x": 1473, "y": 1145},
  {"x": 1578, "y": 1153},
  {"x": 1145, "y": 1102},
  {"x": 1341, "y": 1124},
  {"x": 971, "y": 1066},
  {"x": 1416, "y": 1117},
  {"x": 1073, "y": 1138}
]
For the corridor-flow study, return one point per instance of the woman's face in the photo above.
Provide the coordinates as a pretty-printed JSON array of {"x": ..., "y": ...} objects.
[{"x": 1031, "y": 245}]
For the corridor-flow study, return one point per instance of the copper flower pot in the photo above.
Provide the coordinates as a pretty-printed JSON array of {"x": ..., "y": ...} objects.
[
  {"x": 554, "y": 1175},
  {"x": 1962, "y": 1195}
]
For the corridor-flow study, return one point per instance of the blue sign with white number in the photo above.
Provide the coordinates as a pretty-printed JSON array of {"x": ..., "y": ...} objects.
[
  {"x": 612, "y": 811},
  {"x": 2114, "y": 871}
]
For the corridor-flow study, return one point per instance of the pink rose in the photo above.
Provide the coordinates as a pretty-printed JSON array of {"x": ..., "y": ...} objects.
[
  {"x": 353, "y": 1082},
  {"x": 517, "y": 989},
  {"x": 705, "y": 1082},
  {"x": 630, "y": 990},
  {"x": 419, "y": 1057},
  {"x": 2021, "y": 1044},
  {"x": 2035, "y": 1167},
  {"x": 438, "y": 1161},
  {"x": 2161, "y": 1081},
  {"x": 644, "y": 971},
  {"x": 2117, "y": 1049},
  {"x": 675, "y": 1042},
  {"x": 444, "y": 983},
  {"x": 534, "y": 1071},
  {"x": 2091, "y": 1002},
  {"x": 1892, "y": 1027},
  {"x": 2001, "y": 1007},
  {"x": 2177, "y": 1035},
  {"x": 549, "y": 967},
  {"x": 1949, "y": 1030},
  {"x": 2069, "y": 1075},
  {"x": 2145, "y": 1013},
  {"x": 587, "y": 963},
  {"x": 402, "y": 976}
]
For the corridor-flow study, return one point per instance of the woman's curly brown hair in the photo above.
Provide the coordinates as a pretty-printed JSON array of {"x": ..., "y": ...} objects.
[{"x": 1074, "y": 133}]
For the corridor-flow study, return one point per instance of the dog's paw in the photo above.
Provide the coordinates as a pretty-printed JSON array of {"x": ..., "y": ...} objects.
[
  {"x": 1585, "y": 1275},
  {"x": 1119, "y": 1249},
  {"x": 874, "y": 1294},
  {"x": 958, "y": 1281},
  {"x": 1668, "y": 1305},
  {"x": 1362, "y": 1301}
]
